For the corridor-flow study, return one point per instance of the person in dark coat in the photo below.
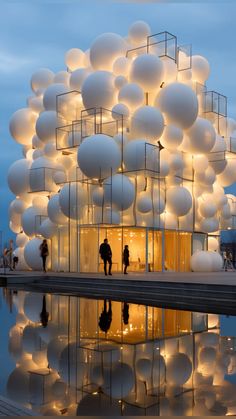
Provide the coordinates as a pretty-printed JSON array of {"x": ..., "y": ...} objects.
[
  {"x": 44, "y": 315},
  {"x": 125, "y": 313},
  {"x": 105, "y": 318},
  {"x": 44, "y": 253},
  {"x": 126, "y": 258},
  {"x": 106, "y": 255}
]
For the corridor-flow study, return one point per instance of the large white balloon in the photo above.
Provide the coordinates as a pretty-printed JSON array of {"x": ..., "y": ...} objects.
[
  {"x": 99, "y": 156},
  {"x": 98, "y": 90},
  {"x": 228, "y": 176},
  {"x": 77, "y": 78},
  {"x": 139, "y": 155},
  {"x": 131, "y": 95},
  {"x": 138, "y": 32},
  {"x": 54, "y": 211},
  {"x": 147, "y": 122},
  {"x": 178, "y": 369},
  {"x": 119, "y": 381},
  {"x": 50, "y": 96},
  {"x": 31, "y": 220},
  {"x": 46, "y": 125},
  {"x": 48, "y": 229},
  {"x": 105, "y": 50},
  {"x": 22, "y": 125},
  {"x": 119, "y": 191},
  {"x": 179, "y": 104},
  {"x": 172, "y": 137},
  {"x": 147, "y": 70},
  {"x": 33, "y": 303},
  {"x": 201, "y": 136},
  {"x": 200, "y": 69},
  {"x": 144, "y": 202},
  {"x": 32, "y": 254},
  {"x": 41, "y": 79},
  {"x": 72, "y": 199},
  {"x": 178, "y": 200},
  {"x": 74, "y": 58}
]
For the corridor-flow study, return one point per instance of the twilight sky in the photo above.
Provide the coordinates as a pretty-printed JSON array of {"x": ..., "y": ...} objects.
[{"x": 37, "y": 33}]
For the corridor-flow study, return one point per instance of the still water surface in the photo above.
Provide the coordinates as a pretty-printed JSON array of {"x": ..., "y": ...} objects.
[{"x": 66, "y": 355}]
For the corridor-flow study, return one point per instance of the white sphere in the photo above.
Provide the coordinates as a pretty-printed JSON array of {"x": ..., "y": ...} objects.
[
  {"x": 29, "y": 220},
  {"x": 178, "y": 200},
  {"x": 172, "y": 137},
  {"x": 147, "y": 122},
  {"x": 62, "y": 77},
  {"x": 179, "y": 104},
  {"x": 18, "y": 205},
  {"x": 21, "y": 265},
  {"x": 170, "y": 221},
  {"x": 119, "y": 190},
  {"x": 213, "y": 320},
  {"x": 50, "y": 150},
  {"x": 72, "y": 372},
  {"x": 106, "y": 215},
  {"x": 207, "y": 355},
  {"x": 98, "y": 90},
  {"x": 170, "y": 70},
  {"x": 32, "y": 255},
  {"x": 176, "y": 163},
  {"x": 131, "y": 95},
  {"x": 18, "y": 385},
  {"x": 33, "y": 304},
  {"x": 209, "y": 225},
  {"x": 46, "y": 125},
  {"x": 138, "y": 32},
  {"x": 144, "y": 202},
  {"x": 30, "y": 339},
  {"x": 147, "y": 70},
  {"x": 119, "y": 381},
  {"x": 99, "y": 156},
  {"x": 74, "y": 58},
  {"x": 200, "y": 163},
  {"x": 207, "y": 209},
  {"x": 144, "y": 369},
  {"x": 228, "y": 176},
  {"x": 98, "y": 196},
  {"x": 77, "y": 78},
  {"x": 121, "y": 66},
  {"x": 35, "y": 103},
  {"x": 59, "y": 389},
  {"x": 158, "y": 203},
  {"x": 36, "y": 142},
  {"x": 72, "y": 199},
  {"x": 201, "y": 262},
  {"x": 54, "y": 350},
  {"x": 48, "y": 229},
  {"x": 54, "y": 211},
  {"x": 120, "y": 110},
  {"x": 178, "y": 369},
  {"x": 41, "y": 79},
  {"x": 201, "y": 136},
  {"x": 22, "y": 125},
  {"x": 21, "y": 240},
  {"x": 120, "y": 81},
  {"x": 217, "y": 261},
  {"x": 50, "y": 96},
  {"x": 105, "y": 50},
  {"x": 200, "y": 69},
  {"x": 138, "y": 155},
  {"x": 50, "y": 332}
]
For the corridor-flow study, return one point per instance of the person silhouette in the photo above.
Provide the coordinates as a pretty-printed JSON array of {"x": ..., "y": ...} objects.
[
  {"x": 126, "y": 258},
  {"x": 106, "y": 255},
  {"x": 44, "y": 315},
  {"x": 125, "y": 313},
  {"x": 44, "y": 252},
  {"x": 105, "y": 318}
]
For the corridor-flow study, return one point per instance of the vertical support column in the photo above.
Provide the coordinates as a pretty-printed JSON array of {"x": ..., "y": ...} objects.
[
  {"x": 163, "y": 251},
  {"x": 146, "y": 262}
]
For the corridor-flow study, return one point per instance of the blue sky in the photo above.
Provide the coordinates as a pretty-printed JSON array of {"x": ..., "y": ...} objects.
[{"x": 37, "y": 33}]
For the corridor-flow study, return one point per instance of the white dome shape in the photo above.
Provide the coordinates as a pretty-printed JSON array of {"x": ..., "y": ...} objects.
[
  {"x": 158, "y": 203},
  {"x": 144, "y": 369},
  {"x": 18, "y": 385},
  {"x": 172, "y": 137},
  {"x": 119, "y": 381},
  {"x": 50, "y": 150},
  {"x": 54, "y": 350},
  {"x": 119, "y": 190},
  {"x": 201, "y": 136},
  {"x": 36, "y": 142},
  {"x": 105, "y": 50},
  {"x": 134, "y": 156},
  {"x": 50, "y": 96},
  {"x": 200, "y": 163},
  {"x": 179, "y": 104},
  {"x": 138, "y": 32},
  {"x": 121, "y": 66},
  {"x": 21, "y": 265},
  {"x": 200, "y": 69},
  {"x": 32, "y": 256},
  {"x": 207, "y": 209},
  {"x": 147, "y": 122},
  {"x": 18, "y": 205},
  {"x": 144, "y": 202},
  {"x": 98, "y": 196},
  {"x": 21, "y": 240},
  {"x": 147, "y": 70},
  {"x": 98, "y": 90},
  {"x": 22, "y": 125},
  {"x": 30, "y": 340},
  {"x": 213, "y": 244},
  {"x": 131, "y": 95},
  {"x": 228, "y": 176},
  {"x": 106, "y": 215},
  {"x": 178, "y": 369},
  {"x": 74, "y": 371},
  {"x": 201, "y": 261},
  {"x": 217, "y": 261},
  {"x": 99, "y": 156},
  {"x": 178, "y": 200},
  {"x": 209, "y": 225},
  {"x": 170, "y": 70},
  {"x": 62, "y": 77},
  {"x": 41, "y": 79},
  {"x": 29, "y": 220},
  {"x": 18, "y": 176},
  {"x": 46, "y": 125},
  {"x": 55, "y": 213},
  {"x": 74, "y": 58},
  {"x": 207, "y": 355},
  {"x": 33, "y": 303},
  {"x": 48, "y": 229},
  {"x": 120, "y": 110},
  {"x": 77, "y": 78},
  {"x": 72, "y": 200},
  {"x": 176, "y": 162}
]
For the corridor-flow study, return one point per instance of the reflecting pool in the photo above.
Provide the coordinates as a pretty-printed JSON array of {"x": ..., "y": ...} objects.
[{"x": 67, "y": 355}]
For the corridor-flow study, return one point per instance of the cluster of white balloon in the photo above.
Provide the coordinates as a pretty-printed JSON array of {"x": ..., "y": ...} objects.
[{"x": 157, "y": 103}]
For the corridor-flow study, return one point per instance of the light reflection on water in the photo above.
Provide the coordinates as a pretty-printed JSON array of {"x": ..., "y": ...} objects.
[{"x": 91, "y": 357}]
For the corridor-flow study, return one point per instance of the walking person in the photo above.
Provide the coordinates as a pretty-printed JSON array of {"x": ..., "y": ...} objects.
[
  {"x": 126, "y": 258},
  {"x": 106, "y": 256},
  {"x": 44, "y": 253},
  {"x": 105, "y": 318}
]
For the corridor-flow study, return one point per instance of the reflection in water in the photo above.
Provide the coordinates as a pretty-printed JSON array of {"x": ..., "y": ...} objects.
[{"x": 150, "y": 361}]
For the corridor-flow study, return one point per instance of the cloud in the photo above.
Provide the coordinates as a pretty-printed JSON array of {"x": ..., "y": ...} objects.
[{"x": 11, "y": 63}]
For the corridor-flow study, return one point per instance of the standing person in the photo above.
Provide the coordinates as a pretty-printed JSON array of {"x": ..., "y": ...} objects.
[
  {"x": 126, "y": 258},
  {"x": 44, "y": 253},
  {"x": 106, "y": 255}
]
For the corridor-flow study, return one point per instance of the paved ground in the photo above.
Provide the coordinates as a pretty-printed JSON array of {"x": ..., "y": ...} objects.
[{"x": 10, "y": 408}]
